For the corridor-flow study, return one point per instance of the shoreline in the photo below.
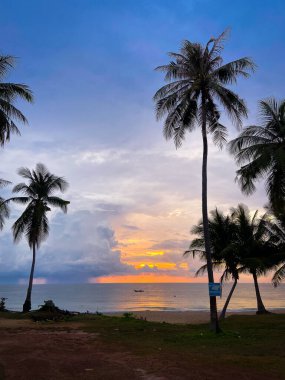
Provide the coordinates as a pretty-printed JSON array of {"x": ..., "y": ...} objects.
[{"x": 184, "y": 317}]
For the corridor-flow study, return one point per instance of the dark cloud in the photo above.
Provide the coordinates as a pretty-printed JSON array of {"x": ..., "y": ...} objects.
[{"x": 80, "y": 246}]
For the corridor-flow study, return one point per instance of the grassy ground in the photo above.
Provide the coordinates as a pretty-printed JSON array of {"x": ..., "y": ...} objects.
[
  {"x": 252, "y": 347},
  {"x": 249, "y": 341}
]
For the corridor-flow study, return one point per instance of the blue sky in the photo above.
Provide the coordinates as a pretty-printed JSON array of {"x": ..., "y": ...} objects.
[{"x": 91, "y": 67}]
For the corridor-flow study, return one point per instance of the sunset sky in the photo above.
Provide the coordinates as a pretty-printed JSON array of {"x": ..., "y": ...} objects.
[{"x": 134, "y": 197}]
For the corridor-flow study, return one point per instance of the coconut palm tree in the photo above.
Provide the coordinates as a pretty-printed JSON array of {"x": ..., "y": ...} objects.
[
  {"x": 260, "y": 149},
  {"x": 256, "y": 246},
  {"x": 9, "y": 94},
  {"x": 222, "y": 234},
  {"x": 38, "y": 195},
  {"x": 197, "y": 84}
]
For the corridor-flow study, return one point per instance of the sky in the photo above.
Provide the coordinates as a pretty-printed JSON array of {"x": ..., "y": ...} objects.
[{"x": 134, "y": 197}]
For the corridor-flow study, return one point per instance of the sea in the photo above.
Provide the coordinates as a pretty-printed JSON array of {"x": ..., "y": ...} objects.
[{"x": 123, "y": 297}]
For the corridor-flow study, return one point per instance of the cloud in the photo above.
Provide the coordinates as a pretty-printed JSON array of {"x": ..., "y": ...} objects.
[
  {"x": 132, "y": 228},
  {"x": 171, "y": 245},
  {"x": 146, "y": 196},
  {"x": 79, "y": 246}
]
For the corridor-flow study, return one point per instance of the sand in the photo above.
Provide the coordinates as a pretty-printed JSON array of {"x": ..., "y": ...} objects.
[{"x": 189, "y": 317}]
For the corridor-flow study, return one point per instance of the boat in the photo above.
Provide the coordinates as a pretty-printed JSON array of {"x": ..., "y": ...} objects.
[{"x": 138, "y": 290}]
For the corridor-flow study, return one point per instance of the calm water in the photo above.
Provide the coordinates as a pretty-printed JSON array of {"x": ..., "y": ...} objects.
[{"x": 121, "y": 297}]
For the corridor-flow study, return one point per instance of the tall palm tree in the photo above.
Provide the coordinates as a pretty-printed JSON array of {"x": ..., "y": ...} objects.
[
  {"x": 9, "y": 94},
  {"x": 38, "y": 195},
  {"x": 260, "y": 149},
  {"x": 222, "y": 234},
  {"x": 198, "y": 81}
]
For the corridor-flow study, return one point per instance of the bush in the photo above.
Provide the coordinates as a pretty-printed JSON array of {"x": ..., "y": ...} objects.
[
  {"x": 2, "y": 304},
  {"x": 128, "y": 315},
  {"x": 49, "y": 312}
]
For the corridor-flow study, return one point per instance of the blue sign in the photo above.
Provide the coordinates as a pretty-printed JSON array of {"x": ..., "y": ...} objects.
[{"x": 215, "y": 289}]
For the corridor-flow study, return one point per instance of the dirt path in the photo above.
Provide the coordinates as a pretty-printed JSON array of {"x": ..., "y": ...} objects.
[{"x": 55, "y": 352}]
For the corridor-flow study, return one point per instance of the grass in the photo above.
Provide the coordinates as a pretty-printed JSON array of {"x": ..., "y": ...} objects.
[
  {"x": 255, "y": 342},
  {"x": 252, "y": 342}
]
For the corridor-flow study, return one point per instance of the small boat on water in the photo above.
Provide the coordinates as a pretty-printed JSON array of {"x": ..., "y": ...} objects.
[{"x": 138, "y": 290}]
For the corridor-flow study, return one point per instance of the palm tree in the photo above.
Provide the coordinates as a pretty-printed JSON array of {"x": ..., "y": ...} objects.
[
  {"x": 33, "y": 223},
  {"x": 198, "y": 81},
  {"x": 256, "y": 247},
  {"x": 261, "y": 151},
  {"x": 222, "y": 234},
  {"x": 9, "y": 93}
]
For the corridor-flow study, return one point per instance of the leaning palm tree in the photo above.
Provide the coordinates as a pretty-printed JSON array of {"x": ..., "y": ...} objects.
[
  {"x": 9, "y": 94},
  {"x": 222, "y": 234},
  {"x": 38, "y": 195},
  {"x": 260, "y": 149},
  {"x": 256, "y": 245},
  {"x": 198, "y": 81}
]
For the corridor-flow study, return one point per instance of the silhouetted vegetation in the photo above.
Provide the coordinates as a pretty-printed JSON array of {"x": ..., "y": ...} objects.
[
  {"x": 241, "y": 243},
  {"x": 33, "y": 223},
  {"x": 3, "y": 304},
  {"x": 9, "y": 94},
  {"x": 49, "y": 312},
  {"x": 261, "y": 148},
  {"x": 198, "y": 83}
]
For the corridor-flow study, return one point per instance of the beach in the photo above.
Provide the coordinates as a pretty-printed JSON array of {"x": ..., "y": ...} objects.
[{"x": 185, "y": 317}]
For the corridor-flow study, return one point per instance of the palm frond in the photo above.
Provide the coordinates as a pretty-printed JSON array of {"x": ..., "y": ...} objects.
[
  {"x": 58, "y": 202},
  {"x": 278, "y": 276},
  {"x": 228, "y": 73},
  {"x": 6, "y": 63}
]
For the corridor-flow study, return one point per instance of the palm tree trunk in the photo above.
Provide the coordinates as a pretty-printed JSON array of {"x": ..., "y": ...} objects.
[
  {"x": 260, "y": 306},
  {"x": 223, "y": 313},
  {"x": 214, "y": 325},
  {"x": 28, "y": 304}
]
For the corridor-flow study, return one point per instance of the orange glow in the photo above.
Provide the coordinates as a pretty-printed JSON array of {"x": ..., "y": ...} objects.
[
  {"x": 144, "y": 278},
  {"x": 154, "y": 253}
]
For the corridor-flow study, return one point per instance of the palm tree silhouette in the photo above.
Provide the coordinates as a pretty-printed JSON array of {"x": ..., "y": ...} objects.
[
  {"x": 33, "y": 223},
  {"x": 9, "y": 93},
  {"x": 255, "y": 245},
  {"x": 261, "y": 148},
  {"x": 198, "y": 80},
  {"x": 222, "y": 234}
]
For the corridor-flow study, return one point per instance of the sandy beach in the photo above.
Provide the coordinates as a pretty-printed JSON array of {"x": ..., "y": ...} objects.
[{"x": 187, "y": 317}]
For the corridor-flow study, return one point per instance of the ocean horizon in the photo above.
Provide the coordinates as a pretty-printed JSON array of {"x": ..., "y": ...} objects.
[{"x": 157, "y": 296}]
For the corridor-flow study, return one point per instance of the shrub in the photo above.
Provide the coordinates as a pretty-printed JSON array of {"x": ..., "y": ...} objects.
[
  {"x": 128, "y": 315},
  {"x": 49, "y": 312},
  {"x": 2, "y": 304}
]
